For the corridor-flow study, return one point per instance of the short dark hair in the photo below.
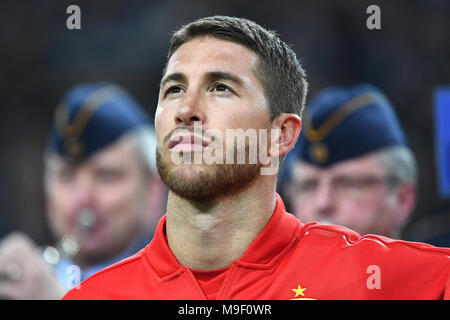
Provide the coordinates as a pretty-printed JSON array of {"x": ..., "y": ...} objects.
[{"x": 278, "y": 69}]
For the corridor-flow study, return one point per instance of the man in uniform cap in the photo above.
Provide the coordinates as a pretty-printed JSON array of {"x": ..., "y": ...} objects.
[
  {"x": 102, "y": 190},
  {"x": 352, "y": 165}
]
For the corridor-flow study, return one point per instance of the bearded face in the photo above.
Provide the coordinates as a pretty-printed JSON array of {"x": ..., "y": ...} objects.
[
  {"x": 212, "y": 82},
  {"x": 202, "y": 181}
]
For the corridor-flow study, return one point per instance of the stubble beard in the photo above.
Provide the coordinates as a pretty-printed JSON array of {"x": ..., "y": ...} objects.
[{"x": 205, "y": 182}]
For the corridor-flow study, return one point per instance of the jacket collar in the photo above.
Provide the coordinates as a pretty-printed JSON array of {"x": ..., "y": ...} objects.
[{"x": 262, "y": 252}]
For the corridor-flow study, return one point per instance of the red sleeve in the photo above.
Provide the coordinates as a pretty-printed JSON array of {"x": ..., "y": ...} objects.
[
  {"x": 73, "y": 294},
  {"x": 113, "y": 282}
]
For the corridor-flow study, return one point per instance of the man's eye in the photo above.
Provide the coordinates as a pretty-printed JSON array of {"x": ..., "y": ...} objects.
[
  {"x": 307, "y": 186},
  {"x": 173, "y": 90},
  {"x": 221, "y": 88}
]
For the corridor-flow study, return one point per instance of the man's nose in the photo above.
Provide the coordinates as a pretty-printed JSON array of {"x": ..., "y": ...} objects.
[
  {"x": 83, "y": 192},
  {"x": 325, "y": 200},
  {"x": 191, "y": 109}
]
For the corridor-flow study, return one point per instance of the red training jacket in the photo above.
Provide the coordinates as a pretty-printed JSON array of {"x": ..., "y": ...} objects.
[{"x": 287, "y": 260}]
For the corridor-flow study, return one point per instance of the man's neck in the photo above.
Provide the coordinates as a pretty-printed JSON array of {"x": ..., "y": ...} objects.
[{"x": 211, "y": 235}]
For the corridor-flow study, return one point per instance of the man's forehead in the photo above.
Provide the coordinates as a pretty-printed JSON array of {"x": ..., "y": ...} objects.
[
  {"x": 355, "y": 166},
  {"x": 116, "y": 152},
  {"x": 208, "y": 53}
]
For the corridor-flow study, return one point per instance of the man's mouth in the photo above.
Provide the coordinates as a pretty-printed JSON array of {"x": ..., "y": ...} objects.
[
  {"x": 86, "y": 220},
  {"x": 187, "y": 143}
]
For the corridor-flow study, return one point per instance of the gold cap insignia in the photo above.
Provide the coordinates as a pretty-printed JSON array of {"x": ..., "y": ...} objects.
[
  {"x": 319, "y": 152},
  {"x": 71, "y": 132}
]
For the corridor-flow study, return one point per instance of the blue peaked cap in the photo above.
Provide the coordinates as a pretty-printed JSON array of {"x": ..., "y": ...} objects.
[
  {"x": 342, "y": 123},
  {"x": 90, "y": 117}
]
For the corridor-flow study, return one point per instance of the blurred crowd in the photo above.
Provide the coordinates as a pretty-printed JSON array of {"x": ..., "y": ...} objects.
[{"x": 125, "y": 42}]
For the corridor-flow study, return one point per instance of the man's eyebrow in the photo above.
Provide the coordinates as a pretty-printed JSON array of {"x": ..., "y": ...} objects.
[
  {"x": 220, "y": 75},
  {"x": 177, "y": 76},
  {"x": 309, "y": 179},
  {"x": 212, "y": 75}
]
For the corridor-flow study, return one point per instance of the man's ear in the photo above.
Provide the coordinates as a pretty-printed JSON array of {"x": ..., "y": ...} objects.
[
  {"x": 288, "y": 126},
  {"x": 406, "y": 200}
]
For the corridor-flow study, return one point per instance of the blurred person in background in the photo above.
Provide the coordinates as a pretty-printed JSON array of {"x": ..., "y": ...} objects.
[
  {"x": 103, "y": 194},
  {"x": 352, "y": 165}
]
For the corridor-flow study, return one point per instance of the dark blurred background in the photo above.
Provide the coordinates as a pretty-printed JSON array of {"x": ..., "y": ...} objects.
[{"x": 126, "y": 41}]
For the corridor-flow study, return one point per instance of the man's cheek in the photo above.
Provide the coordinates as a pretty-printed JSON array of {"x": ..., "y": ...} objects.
[
  {"x": 59, "y": 219},
  {"x": 304, "y": 212},
  {"x": 116, "y": 201},
  {"x": 357, "y": 215},
  {"x": 161, "y": 124}
]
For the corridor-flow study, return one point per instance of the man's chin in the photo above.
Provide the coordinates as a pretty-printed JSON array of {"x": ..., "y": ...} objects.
[
  {"x": 95, "y": 251},
  {"x": 191, "y": 182},
  {"x": 199, "y": 183},
  {"x": 92, "y": 244},
  {"x": 205, "y": 182}
]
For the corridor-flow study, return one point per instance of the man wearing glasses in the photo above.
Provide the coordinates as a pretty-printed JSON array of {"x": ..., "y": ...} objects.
[{"x": 352, "y": 165}]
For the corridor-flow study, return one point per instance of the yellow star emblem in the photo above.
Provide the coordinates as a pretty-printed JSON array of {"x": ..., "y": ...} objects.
[{"x": 299, "y": 291}]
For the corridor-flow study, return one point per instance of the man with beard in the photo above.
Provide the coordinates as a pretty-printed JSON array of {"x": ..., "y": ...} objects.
[
  {"x": 103, "y": 194},
  {"x": 226, "y": 234}
]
